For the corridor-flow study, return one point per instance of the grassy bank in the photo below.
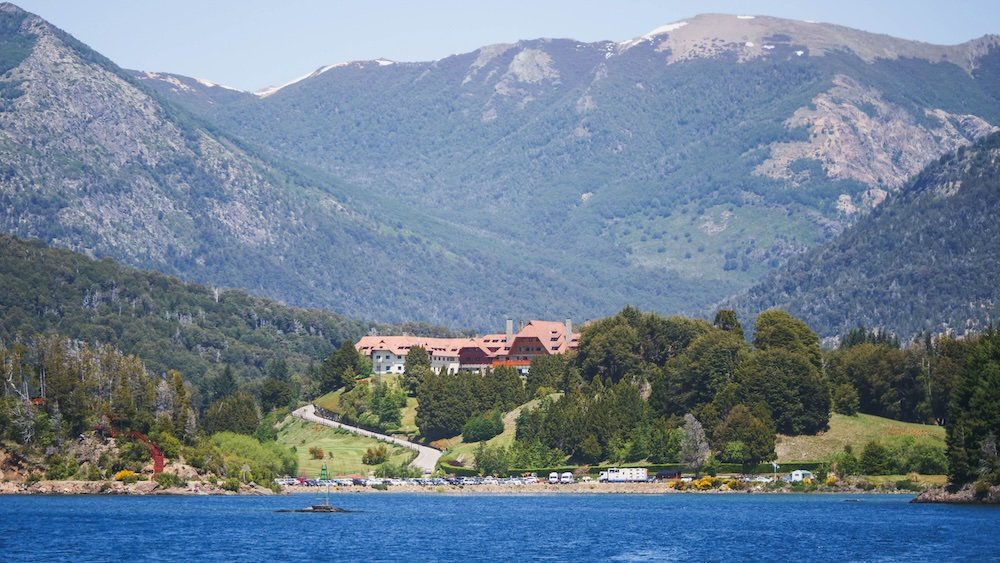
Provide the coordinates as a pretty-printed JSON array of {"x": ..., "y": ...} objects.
[
  {"x": 342, "y": 451},
  {"x": 855, "y": 431}
]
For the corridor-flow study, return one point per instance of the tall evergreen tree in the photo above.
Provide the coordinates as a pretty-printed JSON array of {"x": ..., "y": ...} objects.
[{"x": 974, "y": 418}]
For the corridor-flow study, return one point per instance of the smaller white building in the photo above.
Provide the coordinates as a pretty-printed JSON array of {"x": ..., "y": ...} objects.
[{"x": 800, "y": 474}]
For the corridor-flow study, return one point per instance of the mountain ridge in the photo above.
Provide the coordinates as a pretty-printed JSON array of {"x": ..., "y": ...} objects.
[
  {"x": 538, "y": 179},
  {"x": 819, "y": 37}
]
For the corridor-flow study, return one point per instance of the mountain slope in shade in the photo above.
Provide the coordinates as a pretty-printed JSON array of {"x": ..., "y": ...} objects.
[
  {"x": 705, "y": 153},
  {"x": 925, "y": 260}
]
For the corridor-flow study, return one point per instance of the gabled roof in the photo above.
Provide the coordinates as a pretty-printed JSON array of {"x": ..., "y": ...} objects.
[
  {"x": 400, "y": 345},
  {"x": 552, "y": 335}
]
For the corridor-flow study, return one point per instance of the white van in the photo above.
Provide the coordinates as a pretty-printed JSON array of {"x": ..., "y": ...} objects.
[
  {"x": 553, "y": 478},
  {"x": 566, "y": 478}
]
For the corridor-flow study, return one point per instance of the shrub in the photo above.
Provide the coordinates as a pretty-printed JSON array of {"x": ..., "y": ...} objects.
[
  {"x": 93, "y": 473},
  {"x": 875, "y": 459},
  {"x": 908, "y": 485},
  {"x": 777, "y": 485},
  {"x": 231, "y": 484},
  {"x": 927, "y": 459},
  {"x": 981, "y": 488},
  {"x": 803, "y": 486},
  {"x": 127, "y": 476},
  {"x": 482, "y": 427},
  {"x": 706, "y": 483},
  {"x": 244, "y": 455},
  {"x": 401, "y": 470},
  {"x": 845, "y": 399},
  {"x": 712, "y": 466},
  {"x": 169, "y": 480},
  {"x": 845, "y": 463},
  {"x": 169, "y": 445},
  {"x": 375, "y": 455},
  {"x": 316, "y": 452},
  {"x": 61, "y": 468}
]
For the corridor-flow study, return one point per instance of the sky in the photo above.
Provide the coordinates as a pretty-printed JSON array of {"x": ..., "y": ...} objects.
[{"x": 253, "y": 44}]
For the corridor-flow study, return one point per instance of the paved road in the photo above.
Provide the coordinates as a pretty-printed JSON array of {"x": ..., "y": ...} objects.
[{"x": 426, "y": 459}]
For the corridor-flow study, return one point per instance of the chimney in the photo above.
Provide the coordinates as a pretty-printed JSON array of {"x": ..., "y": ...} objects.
[
  {"x": 510, "y": 330},
  {"x": 569, "y": 331}
]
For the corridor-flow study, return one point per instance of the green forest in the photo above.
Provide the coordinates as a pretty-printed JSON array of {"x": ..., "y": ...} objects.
[{"x": 647, "y": 389}]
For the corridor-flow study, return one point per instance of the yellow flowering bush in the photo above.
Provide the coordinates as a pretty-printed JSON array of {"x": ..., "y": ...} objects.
[
  {"x": 707, "y": 482},
  {"x": 126, "y": 476},
  {"x": 831, "y": 480}
]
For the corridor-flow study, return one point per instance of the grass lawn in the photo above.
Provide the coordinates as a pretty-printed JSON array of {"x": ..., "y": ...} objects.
[
  {"x": 854, "y": 430},
  {"x": 346, "y": 448},
  {"x": 936, "y": 480},
  {"x": 408, "y": 423},
  {"x": 330, "y": 401}
]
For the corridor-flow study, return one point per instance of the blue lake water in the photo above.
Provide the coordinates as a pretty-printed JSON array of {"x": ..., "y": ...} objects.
[{"x": 438, "y": 527}]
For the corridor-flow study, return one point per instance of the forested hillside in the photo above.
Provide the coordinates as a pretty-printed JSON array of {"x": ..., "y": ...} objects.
[
  {"x": 167, "y": 323},
  {"x": 926, "y": 260}
]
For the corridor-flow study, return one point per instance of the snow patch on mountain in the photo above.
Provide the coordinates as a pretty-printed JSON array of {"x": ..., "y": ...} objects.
[
  {"x": 211, "y": 84},
  {"x": 171, "y": 80},
  {"x": 269, "y": 91},
  {"x": 626, "y": 45}
]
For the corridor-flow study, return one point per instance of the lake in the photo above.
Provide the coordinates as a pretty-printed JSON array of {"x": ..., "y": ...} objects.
[{"x": 439, "y": 527}]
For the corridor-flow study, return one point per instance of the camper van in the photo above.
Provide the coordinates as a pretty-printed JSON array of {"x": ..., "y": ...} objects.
[
  {"x": 624, "y": 475},
  {"x": 553, "y": 478}
]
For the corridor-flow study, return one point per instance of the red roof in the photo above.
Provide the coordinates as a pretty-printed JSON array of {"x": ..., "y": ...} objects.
[{"x": 552, "y": 335}]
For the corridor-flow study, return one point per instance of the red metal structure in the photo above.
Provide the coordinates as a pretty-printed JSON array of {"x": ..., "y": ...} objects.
[{"x": 154, "y": 451}]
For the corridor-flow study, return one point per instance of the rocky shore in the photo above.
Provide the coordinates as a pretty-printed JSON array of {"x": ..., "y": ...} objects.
[
  {"x": 119, "y": 488},
  {"x": 964, "y": 495},
  {"x": 208, "y": 488}
]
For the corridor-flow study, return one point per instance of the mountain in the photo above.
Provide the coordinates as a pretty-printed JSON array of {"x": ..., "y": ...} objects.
[
  {"x": 547, "y": 178},
  {"x": 95, "y": 162},
  {"x": 701, "y": 155},
  {"x": 925, "y": 260}
]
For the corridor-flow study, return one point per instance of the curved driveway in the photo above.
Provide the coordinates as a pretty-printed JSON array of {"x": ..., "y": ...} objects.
[{"x": 426, "y": 459}]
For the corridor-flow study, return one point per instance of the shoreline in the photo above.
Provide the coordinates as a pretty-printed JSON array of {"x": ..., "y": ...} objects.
[
  {"x": 118, "y": 488},
  {"x": 200, "y": 488}
]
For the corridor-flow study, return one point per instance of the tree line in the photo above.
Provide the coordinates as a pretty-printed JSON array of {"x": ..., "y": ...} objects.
[{"x": 58, "y": 390}]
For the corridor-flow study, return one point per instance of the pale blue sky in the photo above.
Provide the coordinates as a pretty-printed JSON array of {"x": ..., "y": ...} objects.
[{"x": 252, "y": 44}]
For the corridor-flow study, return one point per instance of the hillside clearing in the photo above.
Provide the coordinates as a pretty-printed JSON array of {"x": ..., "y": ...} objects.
[
  {"x": 855, "y": 431},
  {"x": 343, "y": 450}
]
